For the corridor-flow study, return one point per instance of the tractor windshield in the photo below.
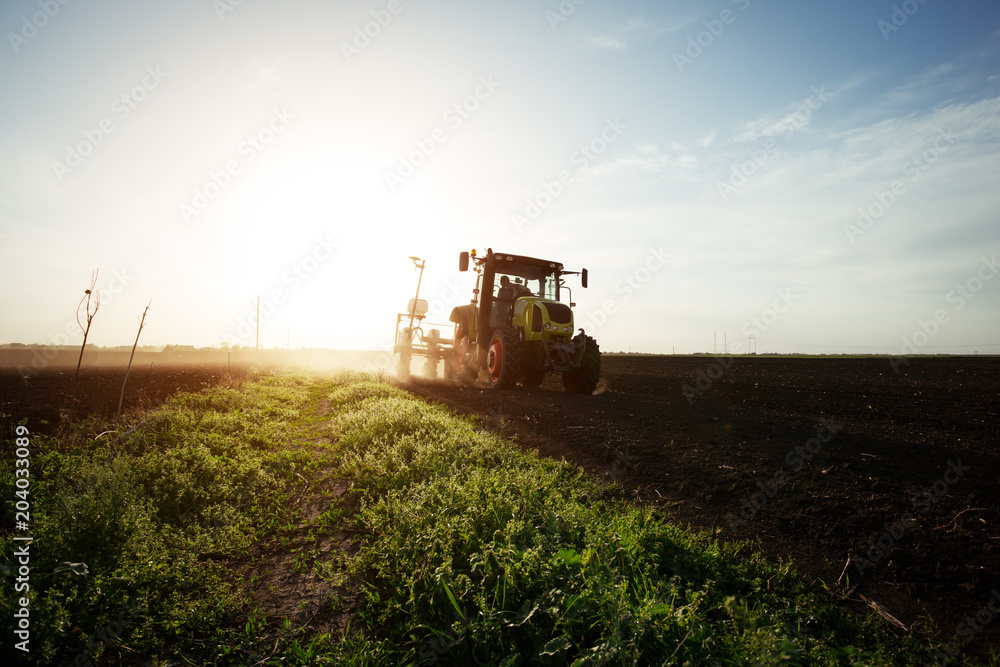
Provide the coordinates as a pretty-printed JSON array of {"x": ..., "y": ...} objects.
[{"x": 515, "y": 280}]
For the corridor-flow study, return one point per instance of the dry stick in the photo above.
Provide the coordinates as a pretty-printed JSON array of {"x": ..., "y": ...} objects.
[
  {"x": 952, "y": 523},
  {"x": 884, "y": 613},
  {"x": 96, "y": 294},
  {"x": 142, "y": 323}
]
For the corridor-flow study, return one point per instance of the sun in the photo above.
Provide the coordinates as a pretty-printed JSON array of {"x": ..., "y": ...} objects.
[{"x": 324, "y": 243}]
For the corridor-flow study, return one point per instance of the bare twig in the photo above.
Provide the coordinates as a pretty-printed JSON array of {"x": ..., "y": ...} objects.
[
  {"x": 884, "y": 613},
  {"x": 952, "y": 522},
  {"x": 142, "y": 323},
  {"x": 88, "y": 295},
  {"x": 846, "y": 565}
]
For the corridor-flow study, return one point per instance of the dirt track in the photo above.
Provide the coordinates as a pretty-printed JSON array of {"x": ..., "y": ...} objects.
[{"x": 819, "y": 460}]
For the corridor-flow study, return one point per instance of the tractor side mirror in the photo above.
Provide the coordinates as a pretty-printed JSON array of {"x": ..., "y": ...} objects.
[
  {"x": 463, "y": 261},
  {"x": 583, "y": 278}
]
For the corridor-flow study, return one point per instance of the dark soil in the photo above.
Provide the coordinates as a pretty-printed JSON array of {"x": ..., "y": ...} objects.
[
  {"x": 45, "y": 397},
  {"x": 824, "y": 461}
]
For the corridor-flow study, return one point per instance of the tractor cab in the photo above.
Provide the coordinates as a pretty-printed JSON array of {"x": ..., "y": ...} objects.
[
  {"x": 516, "y": 326},
  {"x": 513, "y": 281}
]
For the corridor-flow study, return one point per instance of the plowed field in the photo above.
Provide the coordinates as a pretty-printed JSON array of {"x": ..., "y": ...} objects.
[{"x": 883, "y": 481}]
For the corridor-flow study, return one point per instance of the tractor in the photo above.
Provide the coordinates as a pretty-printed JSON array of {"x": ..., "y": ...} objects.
[{"x": 516, "y": 328}]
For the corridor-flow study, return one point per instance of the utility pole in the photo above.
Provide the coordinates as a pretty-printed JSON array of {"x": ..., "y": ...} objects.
[
  {"x": 725, "y": 342},
  {"x": 715, "y": 338},
  {"x": 258, "y": 324}
]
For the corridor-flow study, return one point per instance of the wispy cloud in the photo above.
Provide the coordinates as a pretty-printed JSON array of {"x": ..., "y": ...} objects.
[
  {"x": 797, "y": 116},
  {"x": 945, "y": 78},
  {"x": 675, "y": 159},
  {"x": 708, "y": 140},
  {"x": 606, "y": 42},
  {"x": 617, "y": 35}
]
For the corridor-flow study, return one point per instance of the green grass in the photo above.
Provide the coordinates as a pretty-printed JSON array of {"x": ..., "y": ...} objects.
[
  {"x": 466, "y": 551},
  {"x": 139, "y": 506},
  {"x": 481, "y": 555}
]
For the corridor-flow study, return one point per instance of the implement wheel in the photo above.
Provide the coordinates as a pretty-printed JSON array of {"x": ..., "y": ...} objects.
[{"x": 403, "y": 365}]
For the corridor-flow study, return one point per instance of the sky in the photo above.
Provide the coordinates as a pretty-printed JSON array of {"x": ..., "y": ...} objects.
[{"x": 735, "y": 175}]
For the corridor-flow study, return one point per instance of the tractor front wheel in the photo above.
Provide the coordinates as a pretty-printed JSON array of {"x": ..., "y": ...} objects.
[{"x": 503, "y": 360}]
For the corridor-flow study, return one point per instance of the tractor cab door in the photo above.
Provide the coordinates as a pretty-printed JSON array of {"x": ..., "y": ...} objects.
[
  {"x": 508, "y": 289},
  {"x": 503, "y": 307}
]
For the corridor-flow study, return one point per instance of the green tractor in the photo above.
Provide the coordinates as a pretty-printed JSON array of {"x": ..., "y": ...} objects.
[{"x": 516, "y": 329}]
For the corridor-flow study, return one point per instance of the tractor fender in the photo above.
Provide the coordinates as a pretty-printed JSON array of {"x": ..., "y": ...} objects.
[
  {"x": 465, "y": 317},
  {"x": 461, "y": 315}
]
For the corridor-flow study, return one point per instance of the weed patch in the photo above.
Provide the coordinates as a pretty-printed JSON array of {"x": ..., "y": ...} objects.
[{"x": 123, "y": 519}]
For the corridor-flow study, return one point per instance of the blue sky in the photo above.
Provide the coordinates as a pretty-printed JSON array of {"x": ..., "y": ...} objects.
[{"x": 821, "y": 176}]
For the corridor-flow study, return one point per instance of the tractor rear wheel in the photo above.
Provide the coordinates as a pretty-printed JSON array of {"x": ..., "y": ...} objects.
[
  {"x": 503, "y": 360},
  {"x": 584, "y": 379}
]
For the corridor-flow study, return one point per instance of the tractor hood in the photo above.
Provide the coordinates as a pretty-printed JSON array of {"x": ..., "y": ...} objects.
[{"x": 543, "y": 319}]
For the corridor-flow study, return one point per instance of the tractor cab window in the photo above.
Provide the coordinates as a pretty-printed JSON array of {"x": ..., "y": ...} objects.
[
  {"x": 549, "y": 288},
  {"x": 511, "y": 287},
  {"x": 517, "y": 280}
]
